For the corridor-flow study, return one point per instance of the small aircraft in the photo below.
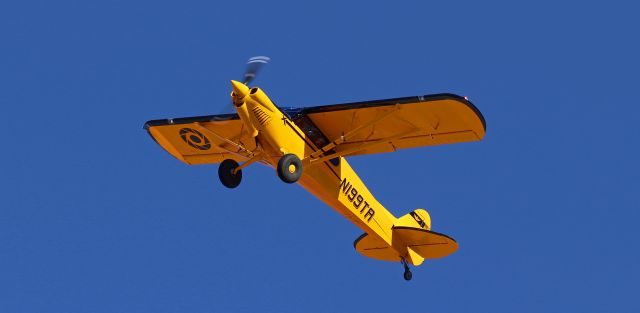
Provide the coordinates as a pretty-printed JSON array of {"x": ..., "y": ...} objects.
[{"x": 309, "y": 146}]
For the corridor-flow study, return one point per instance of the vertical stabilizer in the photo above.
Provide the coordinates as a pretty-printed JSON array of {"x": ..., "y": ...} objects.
[{"x": 418, "y": 218}]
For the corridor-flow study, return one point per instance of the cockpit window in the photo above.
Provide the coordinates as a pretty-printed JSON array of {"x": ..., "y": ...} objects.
[{"x": 310, "y": 129}]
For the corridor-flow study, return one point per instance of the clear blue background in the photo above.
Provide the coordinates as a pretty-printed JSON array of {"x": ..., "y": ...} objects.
[{"x": 95, "y": 217}]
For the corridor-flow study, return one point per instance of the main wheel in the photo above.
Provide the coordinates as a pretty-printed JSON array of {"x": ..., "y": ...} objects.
[
  {"x": 227, "y": 177},
  {"x": 289, "y": 168},
  {"x": 407, "y": 275}
]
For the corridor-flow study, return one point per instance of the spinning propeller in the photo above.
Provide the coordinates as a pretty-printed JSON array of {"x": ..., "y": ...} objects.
[{"x": 254, "y": 64}]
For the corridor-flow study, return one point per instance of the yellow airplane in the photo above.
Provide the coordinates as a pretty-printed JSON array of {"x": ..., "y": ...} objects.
[{"x": 309, "y": 146}]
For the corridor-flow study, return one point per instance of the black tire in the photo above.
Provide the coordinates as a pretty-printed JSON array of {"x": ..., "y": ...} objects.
[
  {"x": 225, "y": 172},
  {"x": 407, "y": 275},
  {"x": 286, "y": 163}
]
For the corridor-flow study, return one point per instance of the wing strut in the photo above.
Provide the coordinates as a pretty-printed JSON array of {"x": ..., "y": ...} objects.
[
  {"x": 237, "y": 145},
  {"x": 255, "y": 158},
  {"x": 361, "y": 147}
]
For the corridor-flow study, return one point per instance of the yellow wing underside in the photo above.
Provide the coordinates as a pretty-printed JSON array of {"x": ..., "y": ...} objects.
[{"x": 386, "y": 128}]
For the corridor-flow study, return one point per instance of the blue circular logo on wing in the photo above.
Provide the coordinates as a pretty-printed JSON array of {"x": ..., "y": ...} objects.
[{"x": 195, "y": 139}]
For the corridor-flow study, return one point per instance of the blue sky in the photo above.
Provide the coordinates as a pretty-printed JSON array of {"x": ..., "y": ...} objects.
[{"x": 95, "y": 217}]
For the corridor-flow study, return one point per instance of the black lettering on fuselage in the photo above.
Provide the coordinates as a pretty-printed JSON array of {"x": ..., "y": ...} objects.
[
  {"x": 345, "y": 186},
  {"x": 353, "y": 194},
  {"x": 370, "y": 214},
  {"x": 356, "y": 199},
  {"x": 366, "y": 205}
]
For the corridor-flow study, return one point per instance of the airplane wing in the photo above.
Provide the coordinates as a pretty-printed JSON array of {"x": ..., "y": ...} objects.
[
  {"x": 203, "y": 139},
  {"x": 387, "y": 125}
]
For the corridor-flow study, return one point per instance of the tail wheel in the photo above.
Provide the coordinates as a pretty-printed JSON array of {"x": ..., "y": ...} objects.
[
  {"x": 407, "y": 275},
  {"x": 227, "y": 177},
  {"x": 407, "y": 272},
  {"x": 289, "y": 168}
]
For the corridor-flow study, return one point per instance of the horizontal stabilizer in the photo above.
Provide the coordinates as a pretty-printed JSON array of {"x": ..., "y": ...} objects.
[
  {"x": 426, "y": 243},
  {"x": 372, "y": 247}
]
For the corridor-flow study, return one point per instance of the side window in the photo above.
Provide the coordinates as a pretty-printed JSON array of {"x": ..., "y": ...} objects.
[{"x": 319, "y": 140}]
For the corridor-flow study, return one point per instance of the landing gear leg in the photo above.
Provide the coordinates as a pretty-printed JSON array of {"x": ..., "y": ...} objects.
[{"x": 407, "y": 271}]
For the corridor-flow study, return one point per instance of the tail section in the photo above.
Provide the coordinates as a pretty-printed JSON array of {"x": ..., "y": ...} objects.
[{"x": 412, "y": 240}]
